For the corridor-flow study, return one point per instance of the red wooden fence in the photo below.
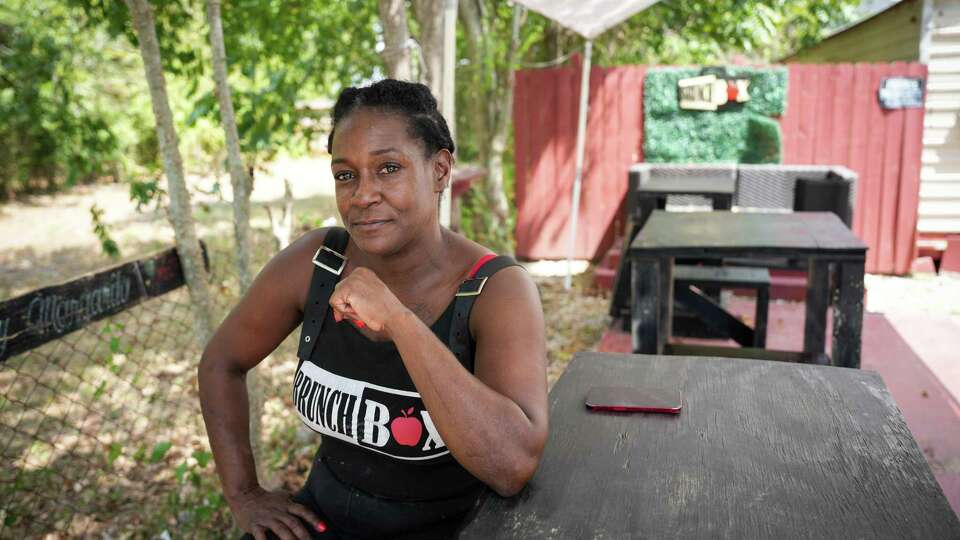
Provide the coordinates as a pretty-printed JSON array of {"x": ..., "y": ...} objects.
[
  {"x": 545, "y": 132},
  {"x": 833, "y": 117}
]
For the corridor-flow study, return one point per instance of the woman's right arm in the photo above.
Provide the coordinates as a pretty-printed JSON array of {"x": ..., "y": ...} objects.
[{"x": 264, "y": 317}]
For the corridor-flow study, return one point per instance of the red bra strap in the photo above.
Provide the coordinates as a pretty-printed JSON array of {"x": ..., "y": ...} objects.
[{"x": 479, "y": 264}]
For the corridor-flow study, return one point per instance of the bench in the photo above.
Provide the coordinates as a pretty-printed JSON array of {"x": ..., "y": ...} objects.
[{"x": 692, "y": 285}]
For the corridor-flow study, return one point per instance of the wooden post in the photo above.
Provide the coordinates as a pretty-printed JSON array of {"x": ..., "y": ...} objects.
[
  {"x": 651, "y": 311},
  {"x": 760, "y": 317},
  {"x": 818, "y": 298},
  {"x": 848, "y": 315},
  {"x": 645, "y": 305}
]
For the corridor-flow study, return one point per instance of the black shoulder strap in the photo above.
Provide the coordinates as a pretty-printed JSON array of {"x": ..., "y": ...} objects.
[
  {"x": 328, "y": 262},
  {"x": 459, "y": 339}
]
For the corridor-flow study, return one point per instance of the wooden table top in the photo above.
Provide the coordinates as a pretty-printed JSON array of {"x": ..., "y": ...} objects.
[
  {"x": 724, "y": 233},
  {"x": 689, "y": 185},
  {"x": 760, "y": 450}
]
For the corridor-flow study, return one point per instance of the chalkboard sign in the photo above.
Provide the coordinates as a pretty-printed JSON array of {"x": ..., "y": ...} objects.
[
  {"x": 901, "y": 93},
  {"x": 46, "y": 314}
]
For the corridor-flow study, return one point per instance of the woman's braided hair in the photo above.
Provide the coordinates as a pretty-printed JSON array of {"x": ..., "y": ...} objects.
[{"x": 412, "y": 100}]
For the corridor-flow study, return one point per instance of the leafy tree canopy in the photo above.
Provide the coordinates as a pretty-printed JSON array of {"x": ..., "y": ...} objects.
[{"x": 710, "y": 32}]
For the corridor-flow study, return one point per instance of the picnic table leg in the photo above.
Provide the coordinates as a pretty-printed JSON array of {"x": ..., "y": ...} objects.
[
  {"x": 760, "y": 317},
  {"x": 719, "y": 201},
  {"x": 722, "y": 202},
  {"x": 651, "y": 308},
  {"x": 848, "y": 315},
  {"x": 818, "y": 298},
  {"x": 645, "y": 207}
]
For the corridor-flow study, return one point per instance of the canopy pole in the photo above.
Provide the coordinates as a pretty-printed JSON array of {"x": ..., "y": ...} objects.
[{"x": 581, "y": 135}]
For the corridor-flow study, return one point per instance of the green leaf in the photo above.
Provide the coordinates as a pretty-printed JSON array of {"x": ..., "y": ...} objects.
[
  {"x": 202, "y": 457},
  {"x": 115, "y": 450},
  {"x": 180, "y": 471},
  {"x": 99, "y": 392},
  {"x": 203, "y": 513},
  {"x": 159, "y": 450}
]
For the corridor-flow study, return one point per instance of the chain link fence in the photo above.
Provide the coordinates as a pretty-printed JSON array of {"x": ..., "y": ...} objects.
[{"x": 101, "y": 429}]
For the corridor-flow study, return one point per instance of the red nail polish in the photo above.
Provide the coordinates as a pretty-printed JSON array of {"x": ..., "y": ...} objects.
[
  {"x": 321, "y": 526},
  {"x": 358, "y": 324}
]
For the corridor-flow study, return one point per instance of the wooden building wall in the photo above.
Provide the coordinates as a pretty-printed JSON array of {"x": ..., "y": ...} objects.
[
  {"x": 892, "y": 35},
  {"x": 940, "y": 172}
]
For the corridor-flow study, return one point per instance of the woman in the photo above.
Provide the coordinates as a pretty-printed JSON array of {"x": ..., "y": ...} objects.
[{"x": 422, "y": 357}]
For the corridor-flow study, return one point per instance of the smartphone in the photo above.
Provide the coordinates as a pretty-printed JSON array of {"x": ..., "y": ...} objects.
[{"x": 649, "y": 398}]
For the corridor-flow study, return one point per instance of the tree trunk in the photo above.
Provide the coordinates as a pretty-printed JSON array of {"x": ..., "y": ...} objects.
[
  {"x": 180, "y": 214},
  {"x": 238, "y": 175},
  {"x": 396, "y": 54},
  {"x": 241, "y": 218},
  {"x": 281, "y": 225},
  {"x": 491, "y": 113},
  {"x": 430, "y": 18},
  {"x": 502, "y": 112}
]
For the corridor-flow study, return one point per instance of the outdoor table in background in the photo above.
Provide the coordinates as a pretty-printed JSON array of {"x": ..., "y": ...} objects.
[
  {"x": 760, "y": 450},
  {"x": 820, "y": 238},
  {"x": 653, "y": 194}
]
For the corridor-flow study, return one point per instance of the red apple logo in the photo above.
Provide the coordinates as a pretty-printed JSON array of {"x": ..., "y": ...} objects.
[
  {"x": 732, "y": 91},
  {"x": 406, "y": 429}
]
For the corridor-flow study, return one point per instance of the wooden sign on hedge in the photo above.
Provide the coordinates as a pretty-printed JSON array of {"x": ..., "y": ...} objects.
[
  {"x": 46, "y": 314},
  {"x": 713, "y": 115},
  {"x": 711, "y": 93}
]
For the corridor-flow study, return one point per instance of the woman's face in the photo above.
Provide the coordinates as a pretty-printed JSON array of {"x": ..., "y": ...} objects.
[{"x": 386, "y": 187}]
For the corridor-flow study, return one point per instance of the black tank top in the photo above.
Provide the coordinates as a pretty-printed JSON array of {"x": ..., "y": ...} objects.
[{"x": 376, "y": 434}]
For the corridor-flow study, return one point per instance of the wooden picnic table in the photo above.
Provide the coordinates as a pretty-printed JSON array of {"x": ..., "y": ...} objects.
[
  {"x": 833, "y": 254},
  {"x": 760, "y": 450},
  {"x": 645, "y": 197}
]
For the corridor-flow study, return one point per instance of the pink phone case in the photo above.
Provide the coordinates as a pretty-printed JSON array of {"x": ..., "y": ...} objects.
[{"x": 634, "y": 399}]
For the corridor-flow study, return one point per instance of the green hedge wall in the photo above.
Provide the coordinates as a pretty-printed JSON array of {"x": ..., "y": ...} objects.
[{"x": 744, "y": 134}]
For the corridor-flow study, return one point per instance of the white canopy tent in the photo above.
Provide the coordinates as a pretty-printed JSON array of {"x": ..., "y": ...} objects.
[{"x": 589, "y": 18}]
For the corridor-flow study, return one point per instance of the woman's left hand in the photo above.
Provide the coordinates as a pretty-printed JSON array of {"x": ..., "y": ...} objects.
[{"x": 361, "y": 297}]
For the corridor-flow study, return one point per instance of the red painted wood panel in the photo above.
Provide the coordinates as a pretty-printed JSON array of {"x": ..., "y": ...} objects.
[
  {"x": 604, "y": 193},
  {"x": 893, "y": 146},
  {"x": 823, "y": 132},
  {"x": 873, "y": 173},
  {"x": 832, "y": 117},
  {"x": 566, "y": 111},
  {"x": 909, "y": 200},
  {"x": 841, "y": 113},
  {"x": 859, "y": 139},
  {"x": 537, "y": 208},
  {"x": 808, "y": 113},
  {"x": 791, "y": 117}
]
